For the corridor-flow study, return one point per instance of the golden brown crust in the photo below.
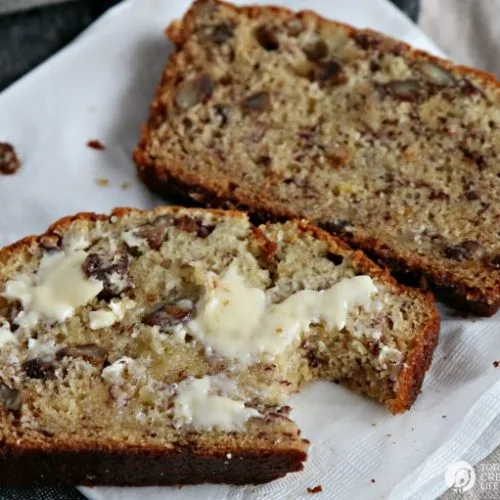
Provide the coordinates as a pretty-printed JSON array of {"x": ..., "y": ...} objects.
[
  {"x": 176, "y": 34},
  {"x": 419, "y": 357},
  {"x": 417, "y": 362},
  {"x": 62, "y": 224},
  {"x": 174, "y": 179}
]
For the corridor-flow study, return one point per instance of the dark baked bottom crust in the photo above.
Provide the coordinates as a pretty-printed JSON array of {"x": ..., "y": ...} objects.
[{"x": 143, "y": 467}]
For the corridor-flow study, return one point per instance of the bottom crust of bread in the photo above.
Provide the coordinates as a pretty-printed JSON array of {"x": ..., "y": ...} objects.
[{"x": 142, "y": 467}]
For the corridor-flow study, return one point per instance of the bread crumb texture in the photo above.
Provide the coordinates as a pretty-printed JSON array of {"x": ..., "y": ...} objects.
[{"x": 292, "y": 115}]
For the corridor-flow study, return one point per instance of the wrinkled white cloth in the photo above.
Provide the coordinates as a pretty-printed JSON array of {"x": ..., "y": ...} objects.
[
  {"x": 100, "y": 87},
  {"x": 467, "y": 30}
]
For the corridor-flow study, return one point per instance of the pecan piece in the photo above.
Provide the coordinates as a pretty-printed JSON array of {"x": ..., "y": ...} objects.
[
  {"x": 468, "y": 88},
  {"x": 89, "y": 352},
  {"x": 406, "y": 90},
  {"x": 367, "y": 41},
  {"x": 194, "y": 226},
  {"x": 167, "y": 316},
  {"x": 10, "y": 398},
  {"x": 259, "y": 101},
  {"x": 436, "y": 74},
  {"x": 267, "y": 38},
  {"x": 330, "y": 71},
  {"x": 465, "y": 250},
  {"x": 50, "y": 242},
  {"x": 111, "y": 270},
  {"x": 153, "y": 234},
  {"x": 316, "y": 50},
  {"x": 39, "y": 368},
  {"x": 9, "y": 162},
  {"x": 194, "y": 91},
  {"x": 222, "y": 33}
]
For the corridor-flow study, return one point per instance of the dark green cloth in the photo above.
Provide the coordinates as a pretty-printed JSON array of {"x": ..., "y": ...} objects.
[{"x": 45, "y": 493}]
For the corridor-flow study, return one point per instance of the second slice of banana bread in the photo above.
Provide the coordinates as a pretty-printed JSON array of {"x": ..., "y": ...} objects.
[{"x": 290, "y": 115}]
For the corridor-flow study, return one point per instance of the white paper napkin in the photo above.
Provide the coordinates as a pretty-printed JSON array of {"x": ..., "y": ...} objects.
[{"x": 100, "y": 88}]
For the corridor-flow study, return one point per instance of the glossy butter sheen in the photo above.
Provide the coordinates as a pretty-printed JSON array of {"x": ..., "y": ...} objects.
[
  {"x": 236, "y": 320},
  {"x": 56, "y": 291},
  {"x": 197, "y": 405}
]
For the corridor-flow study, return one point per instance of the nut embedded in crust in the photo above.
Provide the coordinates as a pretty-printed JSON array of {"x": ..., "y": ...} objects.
[{"x": 89, "y": 352}]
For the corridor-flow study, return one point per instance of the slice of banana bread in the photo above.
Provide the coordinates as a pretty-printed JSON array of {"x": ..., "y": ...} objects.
[
  {"x": 160, "y": 347},
  {"x": 290, "y": 115}
]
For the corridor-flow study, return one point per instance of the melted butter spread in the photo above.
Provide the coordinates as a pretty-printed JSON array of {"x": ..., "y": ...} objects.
[
  {"x": 389, "y": 357},
  {"x": 101, "y": 319},
  {"x": 196, "y": 405},
  {"x": 6, "y": 334},
  {"x": 116, "y": 372},
  {"x": 56, "y": 291},
  {"x": 236, "y": 320},
  {"x": 106, "y": 318}
]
